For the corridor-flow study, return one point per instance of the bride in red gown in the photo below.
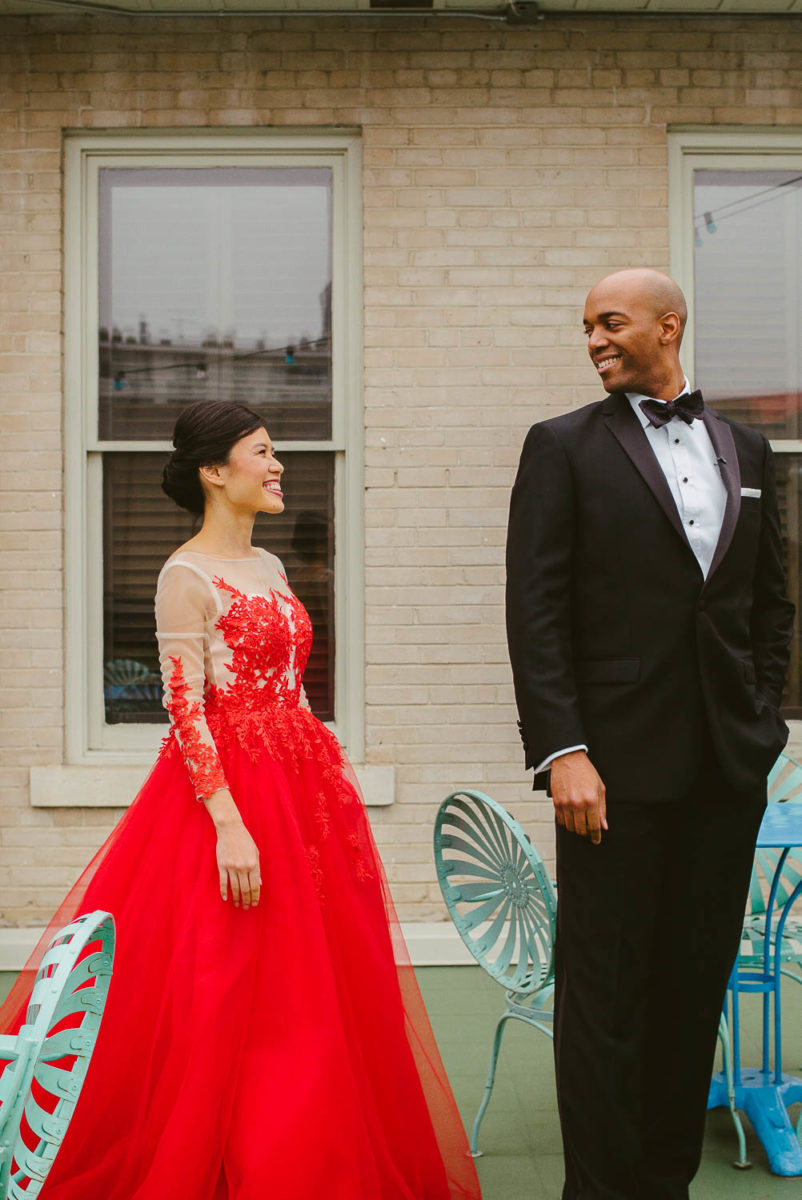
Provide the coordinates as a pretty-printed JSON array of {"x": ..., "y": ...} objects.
[{"x": 264, "y": 1037}]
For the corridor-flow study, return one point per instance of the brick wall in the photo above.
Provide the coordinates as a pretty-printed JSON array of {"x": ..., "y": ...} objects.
[{"x": 504, "y": 172}]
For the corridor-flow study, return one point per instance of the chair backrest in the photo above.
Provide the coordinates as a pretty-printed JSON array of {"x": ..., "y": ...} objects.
[
  {"x": 784, "y": 787},
  {"x": 52, "y": 1051},
  {"x": 497, "y": 890}
]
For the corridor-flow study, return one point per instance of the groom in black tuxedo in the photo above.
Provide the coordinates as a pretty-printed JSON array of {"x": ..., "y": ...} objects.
[{"x": 648, "y": 632}]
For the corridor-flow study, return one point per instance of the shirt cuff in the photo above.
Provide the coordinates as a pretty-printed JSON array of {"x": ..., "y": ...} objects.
[{"x": 557, "y": 754}]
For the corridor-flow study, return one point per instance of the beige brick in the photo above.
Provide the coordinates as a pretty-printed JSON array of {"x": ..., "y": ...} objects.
[{"x": 504, "y": 172}]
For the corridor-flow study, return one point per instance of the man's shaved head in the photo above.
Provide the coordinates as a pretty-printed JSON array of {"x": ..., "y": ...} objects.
[
  {"x": 634, "y": 321},
  {"x": 645, "y": 286}
]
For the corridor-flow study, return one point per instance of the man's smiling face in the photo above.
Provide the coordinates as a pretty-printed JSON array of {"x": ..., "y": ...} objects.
[
  {"x": 623, "y": 341},
  {"x": 633, "y": 335}
]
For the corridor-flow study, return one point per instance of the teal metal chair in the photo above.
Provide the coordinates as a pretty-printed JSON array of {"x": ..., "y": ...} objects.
[
  {"x": 504, "y": 905},
  {"x": 784, "y": 787},
  {"x": 779, "y": 872},
  {"x": 47, "y": 1061}
]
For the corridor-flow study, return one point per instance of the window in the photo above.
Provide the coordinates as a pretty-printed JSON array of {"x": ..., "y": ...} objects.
[
  {"x": 207, "y": 267},
  {"x": 740, "y": 243}
]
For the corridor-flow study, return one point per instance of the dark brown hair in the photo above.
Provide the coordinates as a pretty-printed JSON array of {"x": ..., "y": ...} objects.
[{"x": 204, "y": 435}]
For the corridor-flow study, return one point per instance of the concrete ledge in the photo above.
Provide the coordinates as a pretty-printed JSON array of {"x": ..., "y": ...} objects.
[
  {"x": 435, "y": 944},
  {"x": 16, "y": 945},
  {"x": 430, "y": 944},
  {"x": 85, "y": 787},
  {"x": 114, "y": 786}
]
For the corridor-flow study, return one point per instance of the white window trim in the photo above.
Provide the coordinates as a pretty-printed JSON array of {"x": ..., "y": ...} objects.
[
  {"x": 86, "y": 743},
  {"x": 728, "y": 148}
]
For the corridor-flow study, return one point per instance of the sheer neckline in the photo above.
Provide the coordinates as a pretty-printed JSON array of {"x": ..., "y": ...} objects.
[{"x": 217, "y": 557}]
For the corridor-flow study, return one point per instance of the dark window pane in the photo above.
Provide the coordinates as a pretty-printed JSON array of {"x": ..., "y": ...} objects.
[
  {"x": 748, "y": 296},
  {"x": 215, "y": 283},
  {"x": 789, "y": 494},
  {"x": 142, "y": 528}
]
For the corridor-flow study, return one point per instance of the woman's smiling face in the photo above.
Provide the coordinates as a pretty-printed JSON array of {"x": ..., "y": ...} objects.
[{"x": 251, "y": 478}]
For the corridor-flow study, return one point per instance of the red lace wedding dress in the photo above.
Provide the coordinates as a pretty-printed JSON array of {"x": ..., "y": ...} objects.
[{"x": 279, "y": 1053}]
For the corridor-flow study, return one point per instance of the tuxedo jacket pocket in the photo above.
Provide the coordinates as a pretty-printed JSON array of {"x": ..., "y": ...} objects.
[
  {"x": 608, "y": 670},
  {"x": 751, "y": 493}
]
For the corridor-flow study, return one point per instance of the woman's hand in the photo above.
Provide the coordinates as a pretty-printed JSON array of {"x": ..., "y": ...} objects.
[
  {"x": 237, "y": 852},
  {"x": 238, "y": 864}
]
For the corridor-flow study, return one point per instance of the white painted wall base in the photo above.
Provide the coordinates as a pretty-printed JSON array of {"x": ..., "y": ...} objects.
[
  {"x": 111, "y": 785},
  {"x": 430, "y": 943},
  {"x": 16, "y": 945}
]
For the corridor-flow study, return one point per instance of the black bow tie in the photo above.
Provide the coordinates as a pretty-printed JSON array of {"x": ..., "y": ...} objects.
[{"x": 687, "y": 407}]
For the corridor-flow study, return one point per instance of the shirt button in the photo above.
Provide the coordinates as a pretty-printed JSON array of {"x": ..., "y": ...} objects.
[
  {"x": 684, "y": 478},
  {"x": 691, "y": 521},
  {"x": 676, "y": 441}
]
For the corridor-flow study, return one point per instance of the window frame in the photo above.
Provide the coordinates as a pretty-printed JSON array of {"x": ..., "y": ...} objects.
[
  {"x": 88, "y": 739},
  {"x": 723, "y": 148}
]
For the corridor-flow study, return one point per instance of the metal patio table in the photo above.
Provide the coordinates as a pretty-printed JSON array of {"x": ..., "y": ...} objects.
[{"x": 765, "y": 1093}]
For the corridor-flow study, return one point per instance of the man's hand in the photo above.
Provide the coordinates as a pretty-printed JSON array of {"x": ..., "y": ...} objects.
[{"x": 579, "y": 795}]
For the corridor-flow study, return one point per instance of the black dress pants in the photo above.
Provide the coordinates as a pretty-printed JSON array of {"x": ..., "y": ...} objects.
[{"x": 648, "y": 926}]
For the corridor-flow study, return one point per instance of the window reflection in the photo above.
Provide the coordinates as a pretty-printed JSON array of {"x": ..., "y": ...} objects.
[
  {"x": 748, "y": 310},
  {"x": 214, "y": 283},
  {"x": 748, "y": 296}
]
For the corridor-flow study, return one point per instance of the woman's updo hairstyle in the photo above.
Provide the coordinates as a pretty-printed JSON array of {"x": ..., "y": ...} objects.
[{"x": 203, "y": 437}]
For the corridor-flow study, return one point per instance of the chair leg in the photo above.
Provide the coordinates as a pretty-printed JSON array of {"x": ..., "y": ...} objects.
[
  {"x": 742, "y": 1161},
  {"x": 491, "y": 1075}
]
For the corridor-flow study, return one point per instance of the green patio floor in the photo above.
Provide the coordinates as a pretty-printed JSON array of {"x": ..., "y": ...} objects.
[
  {"x": 521, "y": 1136},
  {"x": 520, "y": 1132}
]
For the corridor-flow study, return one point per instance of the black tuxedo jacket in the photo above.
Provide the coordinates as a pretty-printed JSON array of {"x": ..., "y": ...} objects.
[{"x": 616, "y": 639}]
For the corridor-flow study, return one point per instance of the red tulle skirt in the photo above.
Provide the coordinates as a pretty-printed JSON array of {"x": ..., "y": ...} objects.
[{"x": 280, "y": 1053}]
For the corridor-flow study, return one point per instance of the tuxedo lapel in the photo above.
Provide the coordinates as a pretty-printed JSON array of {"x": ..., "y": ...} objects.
[
  {"x": 724, "y": 446},
  {"x": 627, "y": 429}
]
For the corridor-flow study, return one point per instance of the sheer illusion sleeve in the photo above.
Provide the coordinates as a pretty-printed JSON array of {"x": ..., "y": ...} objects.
[{"x": 185, "y": 604}]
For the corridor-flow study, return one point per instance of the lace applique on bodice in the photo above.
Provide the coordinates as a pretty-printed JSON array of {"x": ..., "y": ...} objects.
[
  {"x": 233, "y": 644},
  {"x": 270, "y": 637}
]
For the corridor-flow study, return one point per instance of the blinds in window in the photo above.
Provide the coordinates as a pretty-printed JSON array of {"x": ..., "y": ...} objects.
[{"x": 142, "y": 528}]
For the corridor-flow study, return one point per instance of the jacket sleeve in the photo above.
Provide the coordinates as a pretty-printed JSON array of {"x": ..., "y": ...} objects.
[
  {"x": 184, "y": 605},
  {"x": 540, "y": 548},
  {"x": 772, "y": 611}
]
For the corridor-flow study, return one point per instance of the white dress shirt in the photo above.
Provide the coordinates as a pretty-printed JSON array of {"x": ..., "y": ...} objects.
[{"x": 689, "y": 463}]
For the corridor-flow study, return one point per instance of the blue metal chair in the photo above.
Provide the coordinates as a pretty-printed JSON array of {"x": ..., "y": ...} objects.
[
  {"x": 47, "y": 1061},
  {"x": 784, "y": 787},
  {"x": 771, "y": 947}
]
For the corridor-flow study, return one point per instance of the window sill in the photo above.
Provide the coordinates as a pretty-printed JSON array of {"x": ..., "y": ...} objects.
[{"x": 115, "y": 786}]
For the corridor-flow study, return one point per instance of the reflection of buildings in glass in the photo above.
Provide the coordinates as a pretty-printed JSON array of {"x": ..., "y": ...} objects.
[
  {"x": 312, "y": 578},
  {"x": 162, "y": 378},
  {"x": 775, "y": 414},
  {"x": 748, "y": 299},
  {"x": 325, "y": 311}
]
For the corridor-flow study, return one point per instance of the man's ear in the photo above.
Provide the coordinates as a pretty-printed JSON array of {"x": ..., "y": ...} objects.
[{"x": 670, "y": 328}]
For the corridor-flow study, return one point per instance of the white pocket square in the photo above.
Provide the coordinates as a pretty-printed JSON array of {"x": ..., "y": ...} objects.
[{"x": 753, "y": 492}]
